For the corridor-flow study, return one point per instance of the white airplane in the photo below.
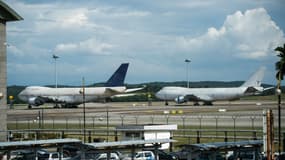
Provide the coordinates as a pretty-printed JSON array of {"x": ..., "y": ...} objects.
[
  {"x": 207, "y": 95},
  {"x": 71, "y": 97}
]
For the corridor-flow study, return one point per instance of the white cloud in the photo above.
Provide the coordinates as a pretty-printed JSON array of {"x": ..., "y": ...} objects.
[
  {"x": 251, "y": 35},
  {"x": 194, "y": 4},
  {"x": 28, "y": 68},
  {"x": 116, "y": 12},
  {"x": 62, "y": 19},
  {"x": 90, "y": 46},
  {"x": 14, "y": 50},
  {"x": 141, "y": 32}
]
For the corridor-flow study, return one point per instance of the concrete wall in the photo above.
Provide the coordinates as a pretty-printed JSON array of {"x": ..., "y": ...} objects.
[{"x": 3, "y": 87}]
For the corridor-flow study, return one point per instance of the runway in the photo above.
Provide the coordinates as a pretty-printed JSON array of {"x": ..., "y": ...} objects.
[{"x": 222, "y": 114}]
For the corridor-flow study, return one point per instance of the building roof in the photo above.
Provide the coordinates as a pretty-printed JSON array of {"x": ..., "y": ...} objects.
[
  {"x": 148, "y": 127},
  {"x": 224, "y": 145},
  {"x": 7, "y": 13},
  {"x": 37, "y": 143},
  {"x": 133, "y": 143}
]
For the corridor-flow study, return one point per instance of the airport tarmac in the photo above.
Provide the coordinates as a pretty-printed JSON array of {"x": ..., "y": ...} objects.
[{"x": 238, "y": 113}]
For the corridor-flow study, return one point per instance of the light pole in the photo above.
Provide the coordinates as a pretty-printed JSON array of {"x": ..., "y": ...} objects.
[
  {"x": 55, "y": 68},
  {"x": 278, "y": 91},
  {"x": 107, "y": 123},
  {"x": 83, "y": 101},
  {"x": 55, "y": 76},
  {"x": 187, "y": 72}
]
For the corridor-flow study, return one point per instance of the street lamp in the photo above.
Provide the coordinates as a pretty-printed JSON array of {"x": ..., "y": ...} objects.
[
  {"x": 55, "y": 69},
  {"x": 84, "y": 112},
  {"x": 278, "y": 92},
  {"x": 187, "y": 72}
]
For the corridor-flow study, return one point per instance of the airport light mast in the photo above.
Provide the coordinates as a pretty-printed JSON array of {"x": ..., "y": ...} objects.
[
  {"x": 55, "y": 68},
  {"x": 84, "y": 111},
  {"x": 187, "y": 71}
]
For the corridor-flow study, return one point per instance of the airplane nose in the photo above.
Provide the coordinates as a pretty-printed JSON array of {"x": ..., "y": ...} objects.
[
  {"x": 21, "y": 95},
  {"x": 158, "y": 94}
]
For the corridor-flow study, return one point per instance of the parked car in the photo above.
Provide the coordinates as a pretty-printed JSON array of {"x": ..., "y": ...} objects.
[
  {"x": 144, "y": 155},
  {"x": 91, "y": 154},
  {"x": 52, "y": 156},
  {"x": 103, "y": 156},
  {"x": 162, "y": 155},
  {"x": 182, "y": 154},
  {"x": 70, "y": 150},
  {"x": 22, "y": 155}
]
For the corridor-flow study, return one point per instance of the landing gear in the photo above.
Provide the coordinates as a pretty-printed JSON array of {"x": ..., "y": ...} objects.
[
  {"x": 196, "y": 104},
  {"x": 29, "y": 106},
  {"x": 166, "y": 103},
  {"x": 208, "y": 104},
  {"x": 56, "y": 106},
  {"x": 74, "y": 106},
  {"x": 69, "y": 106}
]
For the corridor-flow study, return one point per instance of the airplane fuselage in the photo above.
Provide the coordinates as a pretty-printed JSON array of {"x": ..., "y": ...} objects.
[
  {"x": 206, "y": 94},
  {"x": 181, "y": 94},
  {"x": 70, "y": 95}
]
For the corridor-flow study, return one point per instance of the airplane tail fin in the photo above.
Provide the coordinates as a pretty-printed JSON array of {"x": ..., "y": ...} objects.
[
  {"x": 118, "y": 78},
  {"x": 255, "y": 79}
]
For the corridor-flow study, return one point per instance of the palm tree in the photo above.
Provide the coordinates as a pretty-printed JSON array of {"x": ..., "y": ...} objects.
[
  {"x": 280, "y": 68},
  {"x": 280, "y": 65}
]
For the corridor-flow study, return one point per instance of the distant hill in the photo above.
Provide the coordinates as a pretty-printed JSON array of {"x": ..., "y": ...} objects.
[{"x": 152, "y": 88}]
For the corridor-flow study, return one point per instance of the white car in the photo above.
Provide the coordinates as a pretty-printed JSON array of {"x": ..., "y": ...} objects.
[
  {"x": 55, "y": 156},
  {"x": 103, "y": 156},
  {"x": 144, "y": 155}
]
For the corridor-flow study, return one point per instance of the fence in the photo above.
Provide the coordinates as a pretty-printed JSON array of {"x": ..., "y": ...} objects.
[
  {"x": 191, "y": 129},
  {"x": 249, "y": 121}
]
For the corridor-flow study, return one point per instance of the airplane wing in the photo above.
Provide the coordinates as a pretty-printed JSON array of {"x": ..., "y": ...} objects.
[
  {"x": 54, "y": 98},
  {"x": 128, "y": 93},
  {"x": 268, "y": 88},
  {"x": 39, "y": 100},
  {"x": 197, "y": 97},
  {"x": 111, "y": 91},
  {"x": 124, "y": 95},
  {"x": 256, "y": 90},
  {"x": 134, "y": 89},
  {"x": 251, "y": 90}
]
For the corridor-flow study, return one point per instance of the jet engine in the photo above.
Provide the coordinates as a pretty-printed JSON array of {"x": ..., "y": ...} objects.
[
  {"x": 36, "y": 101},
  {"x": 180, "y": 99}
]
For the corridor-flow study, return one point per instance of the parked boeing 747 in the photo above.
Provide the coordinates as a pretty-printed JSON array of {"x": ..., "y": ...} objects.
[
  {"x": 71, "y": 97},
  {"x": 207, "y": 95}
]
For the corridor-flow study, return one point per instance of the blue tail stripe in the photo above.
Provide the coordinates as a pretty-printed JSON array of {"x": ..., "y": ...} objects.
[{"x": 118, "y": 78}]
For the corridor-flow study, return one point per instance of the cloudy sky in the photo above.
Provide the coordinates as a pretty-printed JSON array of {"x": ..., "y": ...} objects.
[{"x": 224, "y": 40}]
